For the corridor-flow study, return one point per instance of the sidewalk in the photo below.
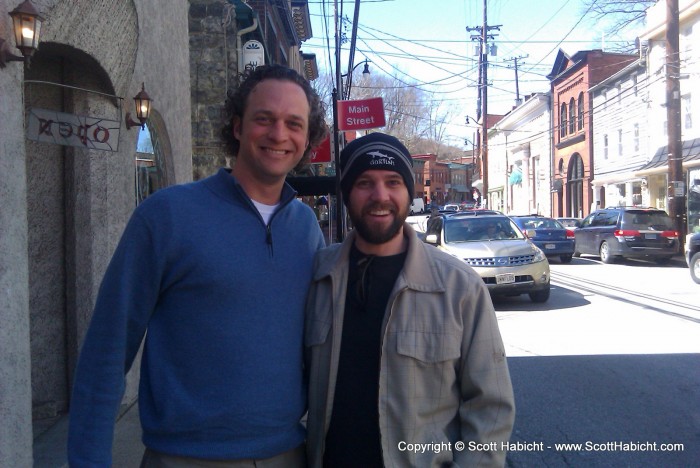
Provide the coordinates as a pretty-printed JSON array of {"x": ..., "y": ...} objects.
[{"x": 50, "y": 446}]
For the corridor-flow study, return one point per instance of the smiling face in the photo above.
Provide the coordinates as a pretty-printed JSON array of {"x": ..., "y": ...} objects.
[
  {"x": 273, "y": 132},
  {"x": 378, "y": 207}
]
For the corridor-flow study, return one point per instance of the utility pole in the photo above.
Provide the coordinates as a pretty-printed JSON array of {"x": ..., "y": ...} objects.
[
  {"x": 676, "y": 182},
  {"x": 483, "y": 37},
  {"x": 517, "y": 88}
]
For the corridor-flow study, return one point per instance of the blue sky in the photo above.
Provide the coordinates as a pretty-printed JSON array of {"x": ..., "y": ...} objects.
[{"x": 426, "y": 43}]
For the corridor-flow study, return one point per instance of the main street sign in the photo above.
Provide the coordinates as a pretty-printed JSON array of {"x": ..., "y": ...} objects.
[
  {"x": 361, "y": 114},
  {"x": 94, "y": 133}
]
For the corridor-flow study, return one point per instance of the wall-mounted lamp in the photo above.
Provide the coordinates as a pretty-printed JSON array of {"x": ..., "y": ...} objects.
[
  {"x": 26, "y": 23},
  {"x": 142, "y": 103}
]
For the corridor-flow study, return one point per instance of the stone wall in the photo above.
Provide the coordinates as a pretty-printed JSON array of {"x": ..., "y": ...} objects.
[{"x": 213, "y": 69}]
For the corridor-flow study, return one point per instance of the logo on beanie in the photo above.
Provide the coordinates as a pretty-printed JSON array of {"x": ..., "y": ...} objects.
[{"x": 380, "y": 159}]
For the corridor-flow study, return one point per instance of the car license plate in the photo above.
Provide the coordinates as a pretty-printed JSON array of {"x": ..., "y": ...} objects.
[
  {"x": 650, "y": 236},
  {"x": 505, "y": 278},
  {"x": 549, "y": 246}
]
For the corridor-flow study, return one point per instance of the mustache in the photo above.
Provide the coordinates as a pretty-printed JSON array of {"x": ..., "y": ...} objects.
[{"x": 379, "y": 207}]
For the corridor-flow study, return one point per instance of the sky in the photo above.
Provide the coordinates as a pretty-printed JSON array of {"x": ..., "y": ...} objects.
[{"x": 426, "y": 44}]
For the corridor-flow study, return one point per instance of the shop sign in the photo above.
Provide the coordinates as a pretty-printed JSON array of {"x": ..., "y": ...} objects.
[
  {"x": 361, "y": 114},
  {"x": 322, "y": 153},
  {"x": 93, "y": 133}
]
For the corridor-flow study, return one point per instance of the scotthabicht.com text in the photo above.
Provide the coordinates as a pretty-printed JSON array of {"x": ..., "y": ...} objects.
[{"x": 588, "y": 446}]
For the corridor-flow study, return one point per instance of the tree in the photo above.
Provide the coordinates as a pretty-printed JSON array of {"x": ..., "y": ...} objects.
[{"x": 617, "y": 14}]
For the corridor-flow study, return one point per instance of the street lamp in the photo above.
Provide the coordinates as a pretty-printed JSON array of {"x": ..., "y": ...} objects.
[
  {"x": 349, "y": 76},
  {"x": 26, "y": 24}
]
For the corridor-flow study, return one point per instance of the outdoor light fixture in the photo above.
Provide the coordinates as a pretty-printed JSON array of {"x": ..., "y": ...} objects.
[
  {"x": 26, "y": 23},
  {"x": 142, "y": 103},
  {"x": 348, "y": 76}
]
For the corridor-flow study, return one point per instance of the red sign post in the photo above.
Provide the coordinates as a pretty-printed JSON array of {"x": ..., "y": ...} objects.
[
  {"x": 322, "y": 153},
  {"x": 361, "y": 114}
]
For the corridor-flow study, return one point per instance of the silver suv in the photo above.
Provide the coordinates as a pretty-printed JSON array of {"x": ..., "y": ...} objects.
[
  {"x": 490, "y": 242},
  {"x": 618, "y": 232}
]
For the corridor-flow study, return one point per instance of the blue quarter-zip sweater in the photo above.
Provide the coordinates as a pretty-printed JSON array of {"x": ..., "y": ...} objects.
[{"x": 222, "y": 297}]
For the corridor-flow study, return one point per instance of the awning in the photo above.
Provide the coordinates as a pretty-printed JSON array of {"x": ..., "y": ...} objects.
[{"x": 690, "y": 154}]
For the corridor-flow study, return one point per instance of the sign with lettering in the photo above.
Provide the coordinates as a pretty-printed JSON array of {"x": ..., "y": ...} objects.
[
  {"x": 92, "y": 133},
  {"x": 253, "y": 55},
  {"x": 361, "y": 114},
  {"x": 322, "y": 153}
]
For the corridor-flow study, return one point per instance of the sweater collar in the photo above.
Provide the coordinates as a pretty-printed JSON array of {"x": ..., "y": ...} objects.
[{"x": 225, "y": 184}]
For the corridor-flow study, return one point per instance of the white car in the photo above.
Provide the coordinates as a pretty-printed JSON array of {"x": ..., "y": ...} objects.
[{"x": 490, "y": 242}]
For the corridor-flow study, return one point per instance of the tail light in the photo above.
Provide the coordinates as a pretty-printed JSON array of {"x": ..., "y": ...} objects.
[
  {"x": 570, "y": 234},
  {"x": 626, "y": 233},
  {"x": 670, "y": 234}
]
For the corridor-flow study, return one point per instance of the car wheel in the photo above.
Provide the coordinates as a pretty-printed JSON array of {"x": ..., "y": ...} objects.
[
  {"x": 695, "y": 267},
  {"x": 565, "y": 258},
  {"x": 539, "y": 296},
  {"x": 605, "y": 256}
]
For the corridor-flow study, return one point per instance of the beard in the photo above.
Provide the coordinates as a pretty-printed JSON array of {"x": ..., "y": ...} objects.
[{"x": 374, "y": 232}]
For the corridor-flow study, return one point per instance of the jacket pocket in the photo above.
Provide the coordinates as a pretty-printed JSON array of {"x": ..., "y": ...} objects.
[
  {"x": 317, "y": 330},
  {"x": 428, "y": 347}
]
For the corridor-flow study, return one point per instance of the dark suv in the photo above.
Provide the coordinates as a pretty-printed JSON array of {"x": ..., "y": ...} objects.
[{"x": 627, "y": 232}]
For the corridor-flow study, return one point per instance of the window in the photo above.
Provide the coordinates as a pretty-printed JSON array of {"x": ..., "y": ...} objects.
[
  {"x": 687, "y": 112},
  {"x": 562, "y": 121},
  {"x": 636, "y": 138},
  {"x": 580, "y": 111},
  {"x": 605, "y": 146},
  {"x": 572, "y": 116},
  {"x": 619, "y": 143}
]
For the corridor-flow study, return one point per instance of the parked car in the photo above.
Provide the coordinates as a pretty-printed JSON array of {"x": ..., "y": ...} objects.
[
  {"x": 451, "y": 207},
  {"x": 627, "y": 232},
  {"x": 570, "y": 223},
  {"x": 692, "y": 255},
  {"x": 549, "y": 235},
  {"x": 417, "y": 206},
  {"x": 491, "y": 243}
]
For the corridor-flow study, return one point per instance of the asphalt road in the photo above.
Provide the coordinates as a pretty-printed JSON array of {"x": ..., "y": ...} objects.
[{"x": 610, "y": 365}]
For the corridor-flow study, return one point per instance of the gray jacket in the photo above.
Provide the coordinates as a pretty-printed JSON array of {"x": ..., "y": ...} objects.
[{"x": 443, "y": 374}]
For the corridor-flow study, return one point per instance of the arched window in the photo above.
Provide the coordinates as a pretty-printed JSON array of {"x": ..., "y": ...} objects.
[
  {"x": 572, "y": 116},
  {"x": 562, "y": 121},
  {"x": 574, "y": 187},
  {"x": 153, "y": 156},
  {"x": 580, "y": 111}
]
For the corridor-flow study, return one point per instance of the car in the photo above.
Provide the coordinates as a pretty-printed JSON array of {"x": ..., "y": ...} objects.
[
  {"x": 627, "y": 232},
  {"x": 417, "y": 206},
  {"x": 570, "y": 223},
  {"x": 451, "y": 207},
  {"x": 692, "y": 255},
  {"x": 549, "y": 235},
  {"x": 491, "y": 243}
]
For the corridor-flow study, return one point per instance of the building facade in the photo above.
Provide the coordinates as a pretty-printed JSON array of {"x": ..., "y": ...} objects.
[
  {"x": 621, "y": 139},
  {"x": 572, "y": 135},
  {"x": 68, "y": 178},
  {"x": 520, "y": 158},
  {"x": 655, "y": 172}
]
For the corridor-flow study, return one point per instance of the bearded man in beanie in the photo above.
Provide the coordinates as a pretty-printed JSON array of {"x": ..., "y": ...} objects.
[{"x": 405, "y": 361}]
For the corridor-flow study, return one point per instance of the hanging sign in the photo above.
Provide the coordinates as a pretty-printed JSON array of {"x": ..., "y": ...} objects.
[
  {"x": 253, "y": 55},
  {"x": 322, "y": 153},
  {"x": 94, "y": 133},
  {"x": 361, "y": 114}
]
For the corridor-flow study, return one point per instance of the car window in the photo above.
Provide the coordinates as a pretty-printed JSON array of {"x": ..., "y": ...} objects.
[
  {"x": 588, "y": 220},
  {"x": 646, "y": 220},
  {"x": 611, "y": 218},
  {"x": 457, "y": 231}
]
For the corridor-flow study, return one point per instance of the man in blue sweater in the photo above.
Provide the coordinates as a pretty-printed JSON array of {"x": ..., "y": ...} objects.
[{"x": 214, "y": 274}]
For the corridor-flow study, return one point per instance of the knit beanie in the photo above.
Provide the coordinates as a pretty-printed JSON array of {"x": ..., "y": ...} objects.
[{"x": 376, "y": 151}]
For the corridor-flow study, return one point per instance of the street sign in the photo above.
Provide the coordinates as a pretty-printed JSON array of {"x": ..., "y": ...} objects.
[
  {"x": 322, "y": 153},
  {"x": 361, "y": 114}
]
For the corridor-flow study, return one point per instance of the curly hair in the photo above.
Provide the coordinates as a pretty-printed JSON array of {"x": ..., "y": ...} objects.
[{"x": 238, "y": 99}]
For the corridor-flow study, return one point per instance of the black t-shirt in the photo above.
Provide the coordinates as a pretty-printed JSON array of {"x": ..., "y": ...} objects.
[{"x": 353, "y": 438}]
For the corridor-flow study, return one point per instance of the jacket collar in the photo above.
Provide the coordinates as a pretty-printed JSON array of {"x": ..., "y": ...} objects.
[{"x": 420, "y": 271}]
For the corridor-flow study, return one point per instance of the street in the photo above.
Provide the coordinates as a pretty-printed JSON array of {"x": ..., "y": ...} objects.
[{"x": 609, "y": 365}]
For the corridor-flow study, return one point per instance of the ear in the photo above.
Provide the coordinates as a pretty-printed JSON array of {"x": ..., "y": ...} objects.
[{"x": 237, "y": 127}]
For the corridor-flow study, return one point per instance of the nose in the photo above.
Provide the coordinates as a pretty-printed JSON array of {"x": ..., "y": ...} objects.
[
  {"x": 380, "y": 192},
  {"x": 278, "y": 131}
]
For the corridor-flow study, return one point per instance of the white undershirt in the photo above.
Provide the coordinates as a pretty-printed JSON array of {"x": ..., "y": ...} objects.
[{"x": 265, "y": 210}]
